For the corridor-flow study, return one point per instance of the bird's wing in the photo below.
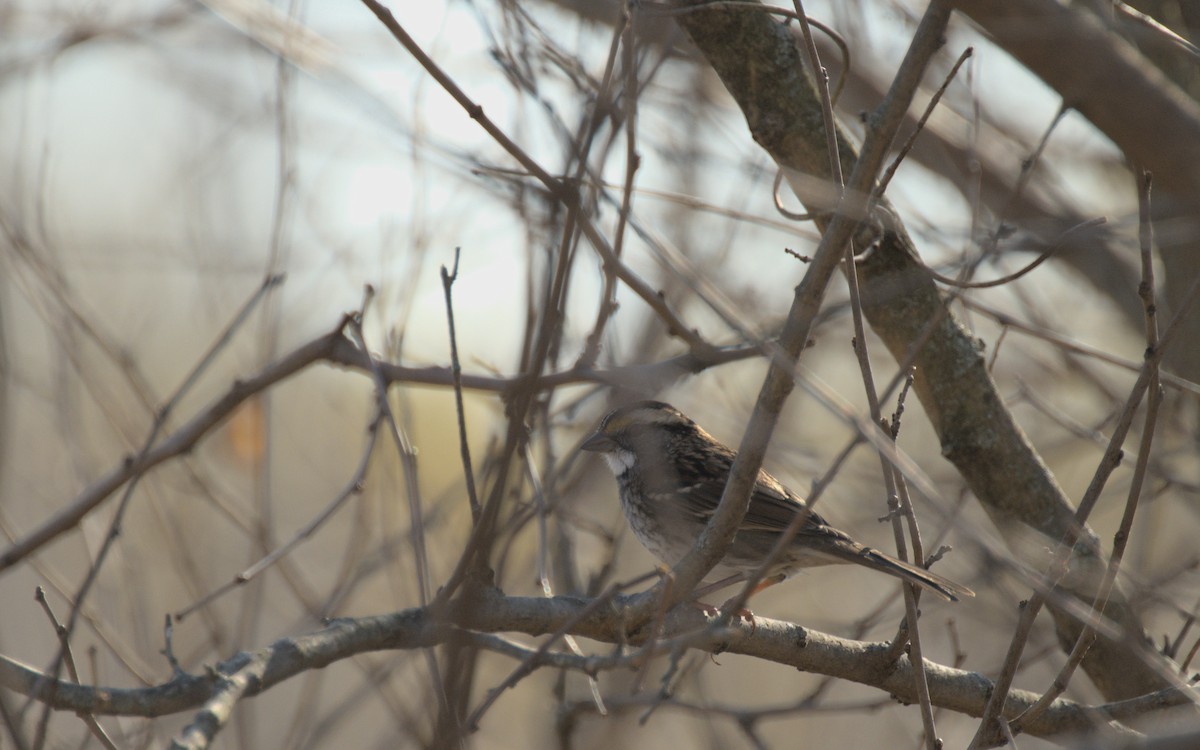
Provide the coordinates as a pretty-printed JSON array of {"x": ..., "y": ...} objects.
[{"x": 772, "y": 505}]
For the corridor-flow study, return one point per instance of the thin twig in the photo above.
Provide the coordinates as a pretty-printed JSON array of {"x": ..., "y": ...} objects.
[
  {"x": 1057, "y": 569},
  {"x": 1158, "y": 29},
  {"x": 408, "y": 459},
  {"x": 567, "y": 194},
  {"x": 911, "y": 600},
  {"x": 1026, "y": 174},
  {"x": 169, "y": 646},
  {"x": 864, "y": 362},
  {"x": 783, "y": 210},
  {"x": 160, "y": 420},
  {"x": 448, "y": 280},
  {"x": 60, "y": 633},
  {"x": 1076, "y": 347},
  {"x": 527, "y": 665},
  {"x": 1191, "y": 654},
  {"x": 1088, "y": 635},
  {"x": 1009, "y": 278},
  {"x": 352, "y": 488},
  {"x": 623, "y": 41},
  {"x": 912, "y": 137},
  {"x": 543, "y": 574},
  {"x": 821, "y": 78}
]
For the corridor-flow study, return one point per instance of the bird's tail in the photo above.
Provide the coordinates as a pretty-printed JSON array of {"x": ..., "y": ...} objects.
[{"x": 943, "y": 587}]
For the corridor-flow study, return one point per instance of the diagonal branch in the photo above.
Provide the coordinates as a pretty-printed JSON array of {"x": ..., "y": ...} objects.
[{"x": 758, "y": 61}]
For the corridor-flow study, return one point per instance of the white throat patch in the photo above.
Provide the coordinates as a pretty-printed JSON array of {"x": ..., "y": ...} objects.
[{"x": 620, "y": 461}]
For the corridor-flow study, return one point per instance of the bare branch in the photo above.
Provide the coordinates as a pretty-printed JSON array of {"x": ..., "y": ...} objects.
[{"x": 772, "y": 640}]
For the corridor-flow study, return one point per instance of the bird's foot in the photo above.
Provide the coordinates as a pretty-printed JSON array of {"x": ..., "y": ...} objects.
[{"x": 742, "y": 614}]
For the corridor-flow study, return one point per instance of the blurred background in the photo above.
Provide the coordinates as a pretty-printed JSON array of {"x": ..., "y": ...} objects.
[{"x": 160, "y": 158}]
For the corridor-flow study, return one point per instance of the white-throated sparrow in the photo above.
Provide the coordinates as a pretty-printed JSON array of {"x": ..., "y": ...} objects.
[{"x": 671, "y": 474}]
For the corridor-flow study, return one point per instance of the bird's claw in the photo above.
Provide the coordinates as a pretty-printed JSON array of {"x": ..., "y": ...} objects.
[{"x": 742, "y": 613}]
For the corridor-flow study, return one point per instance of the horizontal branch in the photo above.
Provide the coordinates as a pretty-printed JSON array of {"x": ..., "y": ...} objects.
[
  {"x": 652, "y": 376},
  {"x": 770, "y": 640},
  {"x": 336, "y": 349}
]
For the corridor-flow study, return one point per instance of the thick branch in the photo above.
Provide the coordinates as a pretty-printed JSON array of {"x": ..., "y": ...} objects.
[
  {"x": 1103, "y": 77},
  {"x": 758, "y": 61},
  {"x": 769, "y": 640}
]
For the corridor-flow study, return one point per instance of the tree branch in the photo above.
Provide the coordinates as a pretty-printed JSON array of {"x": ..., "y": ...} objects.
[
  {"x": 758, "y": 61},
  {"x": 776, "y": 641},
  {"x": 1149, "y": 118}
]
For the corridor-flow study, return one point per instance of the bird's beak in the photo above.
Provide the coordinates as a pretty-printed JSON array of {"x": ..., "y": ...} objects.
[{"x": 598, "y": 442}]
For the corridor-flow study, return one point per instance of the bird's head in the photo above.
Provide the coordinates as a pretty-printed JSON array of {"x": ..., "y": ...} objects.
[{"x": 643, "y": 428}]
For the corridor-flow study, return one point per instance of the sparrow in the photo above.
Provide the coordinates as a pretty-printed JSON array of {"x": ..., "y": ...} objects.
[{"x": 670, "y": 475}]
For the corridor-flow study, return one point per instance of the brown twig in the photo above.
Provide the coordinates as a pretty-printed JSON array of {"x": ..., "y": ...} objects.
[
  {"x": 561, "y": 191},
  {"x": 1158, "y": 29},
  {"x": 1121, "y": 538},
  {"x": 623, "y": 41},
  {"x": 178, "y": 443},
  {"x": 988, "y": 724},
  {"x": 352, "y": 488},
  {"x": 1076, "y": 347},
  {"x": 527, "y": 666},
  {"x": 335, "y": 348},
  {"x": 890, "y": 172},
  {"x": 60, "y": 633},
  {"x": 1011, "y": 277},
  {"x": 988, "y": 246},
  {"x": 114, "y": 527},
  {"x": 543, "y": 511},
  {"x": 464, "y": 447},
  {"x": 864, "y": 362},
  {"x": 821, "y": 79}
]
